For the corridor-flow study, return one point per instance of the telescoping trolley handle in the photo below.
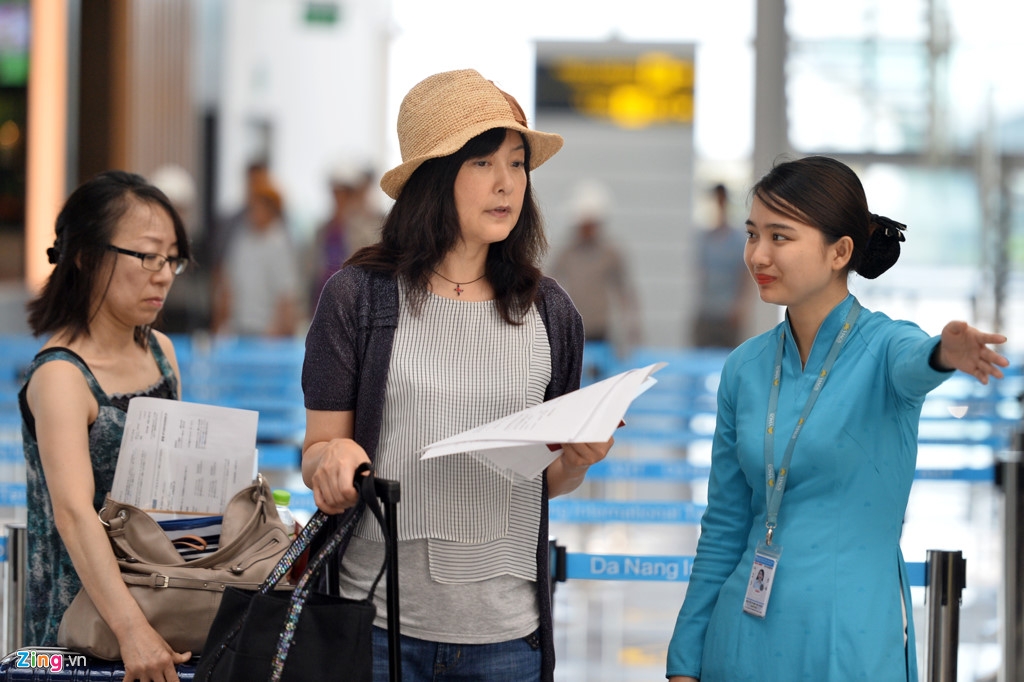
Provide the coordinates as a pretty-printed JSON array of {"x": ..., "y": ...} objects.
[{"x": 389, "y": 493}]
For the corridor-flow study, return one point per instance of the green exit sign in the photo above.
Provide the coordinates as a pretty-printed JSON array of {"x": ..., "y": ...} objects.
[{"x": 326, "y": 13}]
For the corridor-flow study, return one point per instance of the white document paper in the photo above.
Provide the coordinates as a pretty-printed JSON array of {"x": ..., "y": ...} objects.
[
  {"x": 180, "y": 458},
  {"x": 526, "y": 442}
]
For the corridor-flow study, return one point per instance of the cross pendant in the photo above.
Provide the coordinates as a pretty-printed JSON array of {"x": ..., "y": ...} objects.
[{"x": 458, "y": 290}]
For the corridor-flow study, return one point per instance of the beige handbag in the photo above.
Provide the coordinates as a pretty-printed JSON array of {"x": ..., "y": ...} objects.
[{"x": 179, "y": 597}]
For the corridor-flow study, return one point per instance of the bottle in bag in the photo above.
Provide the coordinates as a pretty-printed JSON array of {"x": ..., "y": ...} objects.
[{"x": 282, "y": 498}]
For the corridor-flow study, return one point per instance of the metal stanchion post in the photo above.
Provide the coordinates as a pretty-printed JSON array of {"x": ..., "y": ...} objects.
[
  {"x": 1011, "y": 604},
  {"x": 947, "y": 577},
  {"x": 556, "y": 554},
  {"x": 14, "y": 586}
]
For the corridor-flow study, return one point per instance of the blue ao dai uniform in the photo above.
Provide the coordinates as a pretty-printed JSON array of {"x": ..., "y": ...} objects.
[{"x": 835, "y": 610}]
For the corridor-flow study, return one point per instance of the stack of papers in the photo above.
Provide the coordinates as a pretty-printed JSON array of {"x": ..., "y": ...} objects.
[
  {"x": 526, "y": 442},
  {"x": 184, "y": 459}
]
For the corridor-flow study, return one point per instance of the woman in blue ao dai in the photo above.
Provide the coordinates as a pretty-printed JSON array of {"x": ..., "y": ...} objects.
[{"x": 818, "y": 508}]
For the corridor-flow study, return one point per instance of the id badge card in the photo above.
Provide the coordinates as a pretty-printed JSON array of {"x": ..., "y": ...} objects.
[{"x": 762, "y": 579}]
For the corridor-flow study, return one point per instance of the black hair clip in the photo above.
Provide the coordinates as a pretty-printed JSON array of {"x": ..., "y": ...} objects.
[
  {"x": 890, "y": 228},
  {"x": 53, "y": 255}
]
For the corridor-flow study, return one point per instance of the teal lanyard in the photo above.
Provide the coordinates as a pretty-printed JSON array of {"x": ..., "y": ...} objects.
[{"x": 776, "y": 487}]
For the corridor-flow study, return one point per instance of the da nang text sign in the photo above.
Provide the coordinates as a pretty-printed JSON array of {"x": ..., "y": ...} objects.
[{"x": 650, "y": 87}]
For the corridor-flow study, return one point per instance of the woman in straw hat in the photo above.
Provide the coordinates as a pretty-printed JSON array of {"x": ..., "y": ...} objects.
[{"x": 445, "y": 324}]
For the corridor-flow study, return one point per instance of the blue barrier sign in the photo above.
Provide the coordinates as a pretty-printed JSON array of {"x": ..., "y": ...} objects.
[
  {"x": 12, "y": 452},
  {"x": 606, "y": 470},
  {"x": 12, "y": 494},
  {"x": 684, "y": 472},
  {"x": 661, "y": 568},
  {"x": 628, "y": 567},
  {"x": 604, "y": 511},
  {"x": 595, "y": 511},
  {"x": 983, "y": 475},
  {"x": 302, "y": 500}
]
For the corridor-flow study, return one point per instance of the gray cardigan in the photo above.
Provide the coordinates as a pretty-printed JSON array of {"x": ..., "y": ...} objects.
[{"x": 348, "y": 352}]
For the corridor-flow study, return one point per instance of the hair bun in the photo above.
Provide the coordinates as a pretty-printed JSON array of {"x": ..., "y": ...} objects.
[{"x": 883, "y": 248}]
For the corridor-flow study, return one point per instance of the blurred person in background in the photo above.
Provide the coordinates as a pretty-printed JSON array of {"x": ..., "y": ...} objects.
[
  {"x": 593, "y": 272},
  {"x": 187, "y": 308},
  {"x": 118, "y": 249},
  {"x": 444, "y": 325},
  {"x": 256, "y": 292},
  {"x": 353, "y": 224},
  {"x": 724, "y": 290},
  {"x": 815, "y": 499},
  {"x": 257, "y": 173}
]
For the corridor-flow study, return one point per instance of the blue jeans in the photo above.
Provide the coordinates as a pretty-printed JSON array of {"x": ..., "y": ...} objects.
[{"x": 516, "y": 660}]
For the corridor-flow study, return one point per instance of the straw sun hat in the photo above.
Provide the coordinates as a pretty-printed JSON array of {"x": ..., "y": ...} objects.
[{"x": 445, "y": 111}]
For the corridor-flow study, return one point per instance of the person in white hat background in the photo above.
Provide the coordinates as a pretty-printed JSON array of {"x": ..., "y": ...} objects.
[
  {"x": 353, "y": 223},
  {"x": 593, "y": 271},
  {"x": 445, "y": 324}
]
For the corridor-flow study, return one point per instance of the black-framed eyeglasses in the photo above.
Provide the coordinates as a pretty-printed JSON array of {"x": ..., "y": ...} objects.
[{"x": 154, "y": 262}]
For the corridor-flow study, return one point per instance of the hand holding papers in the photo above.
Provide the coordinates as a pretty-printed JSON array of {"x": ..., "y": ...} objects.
[
  {"x": 184, "y": 458},
  {"x": 519, "y": 442}
]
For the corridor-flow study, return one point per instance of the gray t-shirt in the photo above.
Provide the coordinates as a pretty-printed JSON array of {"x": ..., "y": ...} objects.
[{"x": 261, "y": 268}]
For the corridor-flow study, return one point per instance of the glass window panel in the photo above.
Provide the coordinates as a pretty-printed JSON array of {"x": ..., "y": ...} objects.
[
  {"x": 939, "y": 205},
  {"x": 991, "y": 22},
  {"x": 860, "y": 77},
  {"x": 814, "y": 19},
  {"x": 1016, "y": 191},
  {"x": 983, "y": 78},
  {"x": 858, "y": 96}
]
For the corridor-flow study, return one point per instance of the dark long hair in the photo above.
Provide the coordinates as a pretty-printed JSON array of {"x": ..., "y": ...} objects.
[
  {"x": 828, "y": 195},
  {"x": 85, "y": 226},
  {"x": 423, "y": 226}
]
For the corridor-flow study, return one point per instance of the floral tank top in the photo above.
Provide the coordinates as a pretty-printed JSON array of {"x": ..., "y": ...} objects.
[{"x": 51, "y": 578}]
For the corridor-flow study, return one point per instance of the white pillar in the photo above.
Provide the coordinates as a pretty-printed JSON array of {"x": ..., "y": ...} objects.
[{"x": 771, "y": 132}]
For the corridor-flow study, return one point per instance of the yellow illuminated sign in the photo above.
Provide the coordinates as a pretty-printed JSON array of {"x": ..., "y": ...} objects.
[{"x": 653, "y": 88}]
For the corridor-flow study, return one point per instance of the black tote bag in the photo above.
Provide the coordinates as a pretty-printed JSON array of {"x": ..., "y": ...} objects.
[{"x": 268, "y": 634}]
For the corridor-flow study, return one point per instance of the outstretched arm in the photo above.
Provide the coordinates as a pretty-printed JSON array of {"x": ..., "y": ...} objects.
[{"x": 967, "y": 349}]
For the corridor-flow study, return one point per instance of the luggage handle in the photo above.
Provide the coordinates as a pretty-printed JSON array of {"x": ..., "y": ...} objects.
[{"x": 390, "y": 493}]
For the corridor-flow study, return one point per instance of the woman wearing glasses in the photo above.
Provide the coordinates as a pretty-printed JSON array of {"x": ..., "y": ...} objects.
[{"x": 119, "y": 246}]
